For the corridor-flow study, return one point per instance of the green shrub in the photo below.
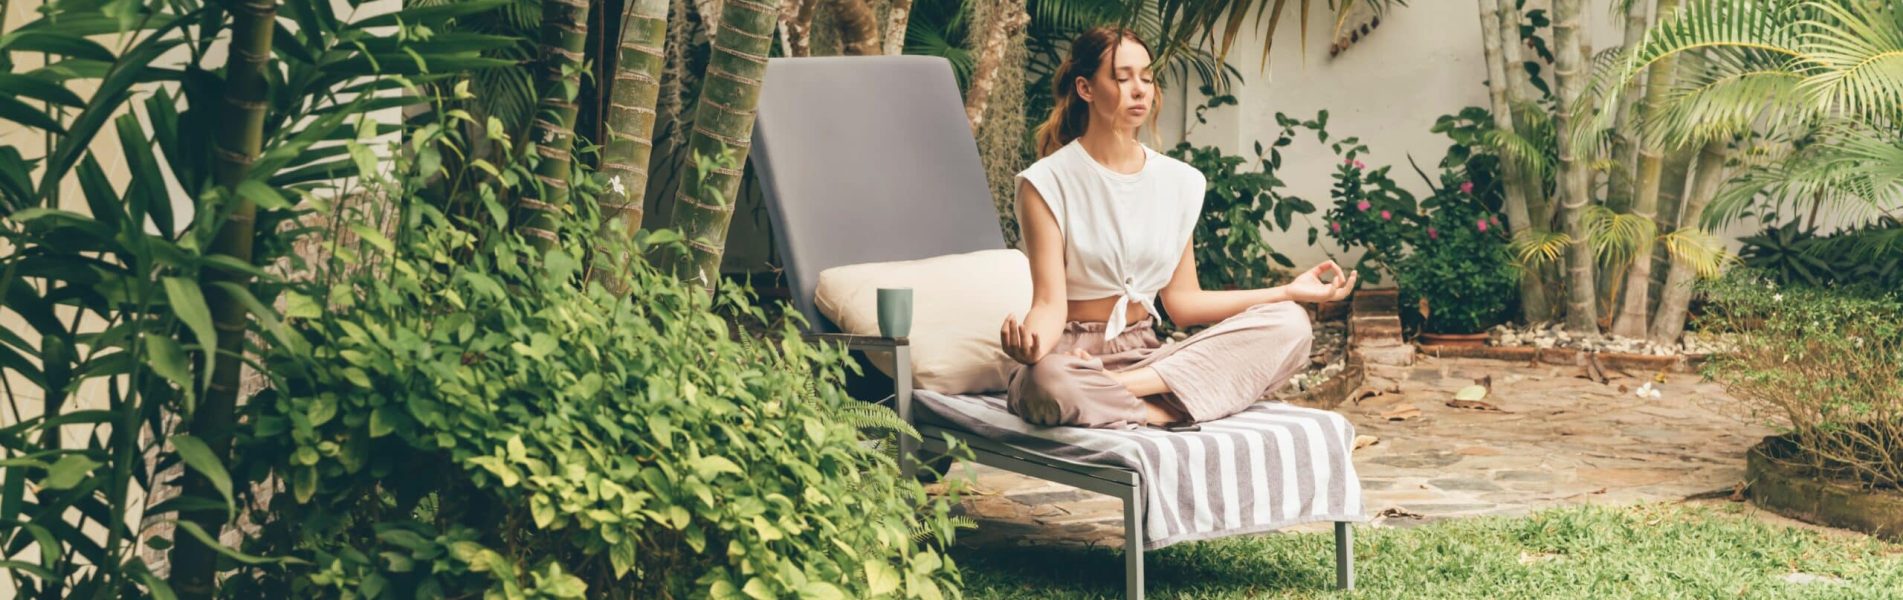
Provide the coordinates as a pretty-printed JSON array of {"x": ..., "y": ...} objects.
[
  {"x": 1240, "y": 206},
  {"x": 1825, "y": 364},
  {"x": 476, "y": 416},
  {"x": 1459, "y": 266}
]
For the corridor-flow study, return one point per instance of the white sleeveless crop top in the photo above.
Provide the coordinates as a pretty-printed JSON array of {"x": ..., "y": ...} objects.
[{"x": 1124, "y": 233}]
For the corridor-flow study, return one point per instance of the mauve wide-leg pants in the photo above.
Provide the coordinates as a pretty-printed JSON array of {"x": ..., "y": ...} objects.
[{"x": 1213, "y": 374}]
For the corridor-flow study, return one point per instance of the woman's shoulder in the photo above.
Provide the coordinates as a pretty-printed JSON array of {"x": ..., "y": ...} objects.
[
  {"x": 1057, "y": 160},
  {"x": 1177, "y": 170}
]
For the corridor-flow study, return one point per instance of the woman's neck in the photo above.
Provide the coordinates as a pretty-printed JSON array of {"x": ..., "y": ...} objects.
[{"x": 1117, "y": 150}]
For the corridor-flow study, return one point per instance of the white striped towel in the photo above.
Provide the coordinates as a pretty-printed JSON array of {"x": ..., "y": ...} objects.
[{"x": 1265, "y": 468}]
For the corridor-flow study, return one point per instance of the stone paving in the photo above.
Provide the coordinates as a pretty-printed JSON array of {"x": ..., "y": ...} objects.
[{"x": 1557, "y": 439}]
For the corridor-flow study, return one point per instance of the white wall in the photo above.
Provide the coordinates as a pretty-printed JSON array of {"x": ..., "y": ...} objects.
[{"x": 1424, "y": 61}]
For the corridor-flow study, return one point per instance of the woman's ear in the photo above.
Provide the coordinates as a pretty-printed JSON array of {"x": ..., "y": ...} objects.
[{"x": 1083, "y": 88}]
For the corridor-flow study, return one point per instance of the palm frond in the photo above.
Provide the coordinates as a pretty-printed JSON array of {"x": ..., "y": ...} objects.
[
  {"x": 1615, "y": 237},
  {"x": 1847, "y": 168},
  {"x": 1726, "y": 92},
  {"x": 1534, "y": 249},
  {"x": 1700, "y": 250},
  {"x": 1856, "y": 51}
]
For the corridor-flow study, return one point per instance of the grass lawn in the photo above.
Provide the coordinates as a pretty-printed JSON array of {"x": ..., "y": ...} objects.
[{"x": 1650, "y": 551}]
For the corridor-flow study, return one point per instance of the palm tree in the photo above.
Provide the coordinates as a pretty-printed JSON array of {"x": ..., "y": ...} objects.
[
  {"x": 721, "y": 137},
  {"x": 1499, "y": 87},
  {"x": 1817, "y": 78}
]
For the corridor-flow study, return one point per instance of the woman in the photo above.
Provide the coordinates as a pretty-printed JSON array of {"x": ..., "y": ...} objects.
[{"x": 1107, "y": 224}]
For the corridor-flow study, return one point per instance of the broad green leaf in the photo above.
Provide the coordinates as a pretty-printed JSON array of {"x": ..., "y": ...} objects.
[
  {"x": 168, "y": 360},
  {"x": 25, "y": 114},
  {"x": 1471, "y": 393},
  {"x": 262, "y": 195},
  {"x": 52, "y": 42},
  {"x": 39, "y": 89},
  {"x": 820, "y": 590},
  {"x": 709, "y": 466},
  {"x": 881, "y": 577},
  {"x": 189, "y": 304},
  {"x": 200, "y": 458},
  {"x": 374, "y": 237},
  {"x": 68, "y": 471},
  {"x": 198, "y": 532}
]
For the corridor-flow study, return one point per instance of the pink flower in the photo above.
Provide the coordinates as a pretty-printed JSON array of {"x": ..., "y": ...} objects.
[
  {"x": 1433, "y": 234},
  {"x": 1335, "y": 226},
  {"x": 1386, "y": 217},
  {"x": 1481, "y": 224},
  {"x": 1494, "y": 219},
  {"x": 1363, "y": 205},
  {"x": 1359, "y": 166},
  {"x": 1466, "y": 187}
]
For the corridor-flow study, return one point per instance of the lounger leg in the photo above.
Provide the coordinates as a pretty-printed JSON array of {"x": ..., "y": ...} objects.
[
  {"x": 902, "y": 403},
  {"x": 1133, "y": 543},
  {"x": 1344, "y": 556}
]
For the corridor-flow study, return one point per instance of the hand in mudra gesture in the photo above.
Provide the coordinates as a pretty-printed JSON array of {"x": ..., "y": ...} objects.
[{"x": 1309, "y": 287}]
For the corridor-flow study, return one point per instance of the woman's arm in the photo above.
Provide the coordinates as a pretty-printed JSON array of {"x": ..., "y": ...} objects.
[
  {"x": 1028, "y": 340},
  {"x": 1189, "y": 304}
]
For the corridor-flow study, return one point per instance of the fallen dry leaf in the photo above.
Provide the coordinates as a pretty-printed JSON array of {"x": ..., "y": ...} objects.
[
  {"x": 1402, "y": 412},
  {"x": 1363, "y": 441},
  {"x": 1369, "y": 391},
  {"x": 1528, "y": 558},
  {"x": 1737, "y": 492},
  {"x": 1599, "y": 491},
  {"x": 1396, "y": 512}
]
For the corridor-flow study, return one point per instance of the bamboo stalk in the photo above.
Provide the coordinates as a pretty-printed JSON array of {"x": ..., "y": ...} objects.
[
  {"x": 1634, "y": 311},
  {"x": 239, "y": 139},
  {"x": 1676, "y": 295},
  {"x": 1533, "y": 300},
  {"x": 1574, "y": 174}
]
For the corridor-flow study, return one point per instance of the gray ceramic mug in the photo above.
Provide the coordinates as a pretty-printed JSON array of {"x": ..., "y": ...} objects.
[{"x": 895, "y": 312}]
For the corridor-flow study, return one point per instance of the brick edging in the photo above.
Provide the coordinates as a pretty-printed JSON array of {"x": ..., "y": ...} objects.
[{"x": 1682, "y": 363}]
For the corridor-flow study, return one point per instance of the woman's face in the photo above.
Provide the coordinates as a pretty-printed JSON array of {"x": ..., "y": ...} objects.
[{"x": 1123, "y": 91}]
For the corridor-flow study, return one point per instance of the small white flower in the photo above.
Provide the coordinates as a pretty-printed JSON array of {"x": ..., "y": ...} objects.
[
  {"x": 1778, "y": 297},
  {"x": 615, "y": 184}
]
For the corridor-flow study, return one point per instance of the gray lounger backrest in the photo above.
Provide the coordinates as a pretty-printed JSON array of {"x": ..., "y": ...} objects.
[{"x": 867, "y": 159}]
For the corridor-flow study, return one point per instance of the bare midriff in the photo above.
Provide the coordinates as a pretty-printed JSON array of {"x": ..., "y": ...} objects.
[{"x": 1098, "y": 310}]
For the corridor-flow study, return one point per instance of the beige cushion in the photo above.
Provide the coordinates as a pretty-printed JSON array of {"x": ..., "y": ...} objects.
[{"x": 958, "y": 302}]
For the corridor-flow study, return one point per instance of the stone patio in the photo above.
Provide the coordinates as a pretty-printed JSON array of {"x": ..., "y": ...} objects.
[{"x": 1558, "y": 439}]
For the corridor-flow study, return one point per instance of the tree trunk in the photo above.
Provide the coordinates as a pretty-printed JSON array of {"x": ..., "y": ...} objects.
[
  {"x": 1533, "y": 300},
  {"x": 1625, "y": 144},
  {"x": 240, "y": 137},
  {"x": 858, "y": 28},
  {"x": 563, "y": 43},
  {"x": 637, "y": 87},
  {"x": 896, "y": 17},
  {"x": 1009, "y": 17},
  {"x": 723, "y": 123},
  {"x": 1676, "y": 296},
  {"x": 1521, "y": 95},
  {"x": 1575, "y": 175},
  {"x": 796, "y": 25},
  {"x": 1634, "y": 311}
]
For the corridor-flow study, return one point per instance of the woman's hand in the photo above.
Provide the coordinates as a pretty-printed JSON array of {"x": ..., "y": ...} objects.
[
  {"x": 1020, "y": 343},
  {"x": 1309, "y": 287}
]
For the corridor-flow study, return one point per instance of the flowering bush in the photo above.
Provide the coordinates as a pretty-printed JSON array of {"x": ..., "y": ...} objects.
[
  {"x": 1459, "y": 268},
  {"x": 1371, "y": 212}
]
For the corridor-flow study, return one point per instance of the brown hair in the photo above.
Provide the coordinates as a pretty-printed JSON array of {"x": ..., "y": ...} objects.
[{"x": 1071, "y": 114}]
